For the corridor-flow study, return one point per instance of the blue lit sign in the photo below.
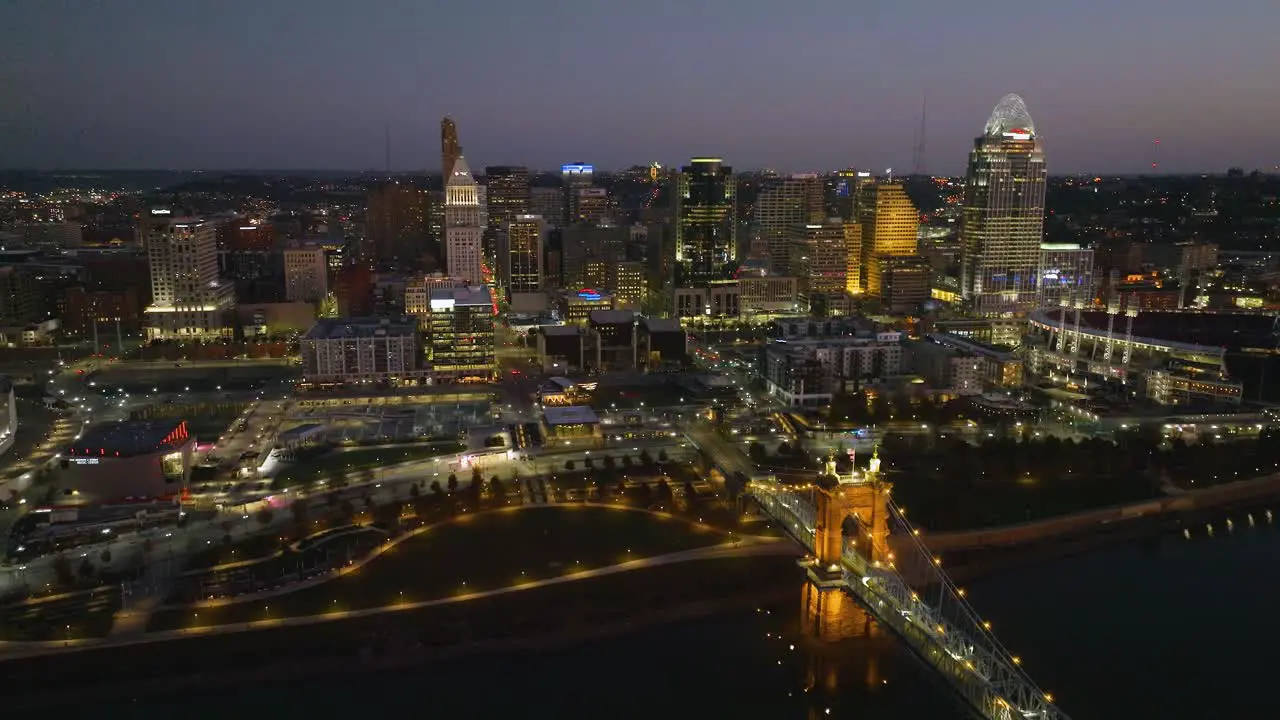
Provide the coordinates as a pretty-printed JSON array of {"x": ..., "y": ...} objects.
[
  {"x": 576, "y": 169},
  {"x": 589, "y": 294}
]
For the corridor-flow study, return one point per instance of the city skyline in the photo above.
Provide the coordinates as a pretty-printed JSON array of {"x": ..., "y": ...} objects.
[{"x": 155, "y": 85}]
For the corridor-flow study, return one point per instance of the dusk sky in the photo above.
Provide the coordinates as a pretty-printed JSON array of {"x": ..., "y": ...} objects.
[{"x": 807, "y": 84}]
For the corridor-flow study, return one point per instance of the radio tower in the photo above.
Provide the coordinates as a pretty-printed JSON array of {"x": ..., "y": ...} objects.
[
  {"x": 917, "y": 159},
  {"x": 1155, "y": 154}
]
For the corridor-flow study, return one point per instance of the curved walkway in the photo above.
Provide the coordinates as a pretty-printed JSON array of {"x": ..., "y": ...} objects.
[{"x": 746, "y": 546}]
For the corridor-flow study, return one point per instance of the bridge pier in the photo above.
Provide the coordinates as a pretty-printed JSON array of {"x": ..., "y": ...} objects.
[{"x": 829, "y": 614}]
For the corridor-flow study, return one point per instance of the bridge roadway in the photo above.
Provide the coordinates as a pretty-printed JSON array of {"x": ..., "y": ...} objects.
[
  {"x": 957, "y": 645},
  {"x": 722, "y": 452}
]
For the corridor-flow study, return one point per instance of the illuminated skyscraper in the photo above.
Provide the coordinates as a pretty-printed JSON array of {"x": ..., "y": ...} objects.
[
  {"x": 1003, "y": 219},
  {"x": 889, "y": 224},
  {"x": 450, "y": 150},
  {"x": 781, "y": 207},
  {"x": 520, "y": 254},
  {"x": 506, "y": 194},
  {"x": 575, "y": 177},
  {"x": 706, "y": 221},
  {"x": 463, "y": 234},
  {"x": 188, "y": 300}
]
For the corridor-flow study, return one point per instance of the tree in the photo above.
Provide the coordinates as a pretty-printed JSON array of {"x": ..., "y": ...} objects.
[
  {"x": 347, "y": 509},
  {"x": 589, "y": 463},
  {"x": 609, "y": 463},
  {"x": 757, "y": 453},
  {"x": 568, "y": 465},
  {"x": 626, "y": 462},
  {"x": 475, "y": 475},
  {"x": 265, "y": 515},
  {"x": 662, "y": 456},
  {"x": 644, "y": 495},
  {"x": 86, "y": 569},
  {"x": 436, "y": 490},
  {"x": 690, "y": 495},
  {"x": 62, "y": 572},
  {"x": 646, "y": 460},
  {"x": 414, "y": 492},
  {"x": 496, "y": 489},
  {"x": 664, "y": 495},
  {"x": 452, "y": 484}
]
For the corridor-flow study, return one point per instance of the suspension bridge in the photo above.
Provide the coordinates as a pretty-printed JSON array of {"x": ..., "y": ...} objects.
[{"x": 861, "y": 546}]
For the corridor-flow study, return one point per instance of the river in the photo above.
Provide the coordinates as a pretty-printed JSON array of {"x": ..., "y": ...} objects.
[{"x": 1166, "y": 627}]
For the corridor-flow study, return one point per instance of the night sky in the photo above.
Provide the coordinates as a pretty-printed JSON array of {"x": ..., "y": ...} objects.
[{"x": 804, "y": 84}]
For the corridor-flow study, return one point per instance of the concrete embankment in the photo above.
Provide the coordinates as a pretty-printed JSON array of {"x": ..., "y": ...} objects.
[
  {"x": 1228, "y": 495},
  {"x": 984, "y": 551}
]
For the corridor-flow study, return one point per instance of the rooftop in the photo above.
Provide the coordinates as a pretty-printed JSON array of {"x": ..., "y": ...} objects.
[
  {"x": 133, "y": 437},
  {"x": 612, "y": 317},
  {"x": 333, "y": 328},
  {"x": 570, "y": 415},
  {"x": 560, "y": 330},
  {"x": 663, "y": 325},
  {"x": 448, "y": 298}
]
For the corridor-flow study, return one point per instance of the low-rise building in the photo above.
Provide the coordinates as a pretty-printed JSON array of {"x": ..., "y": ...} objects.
[
  {"x": 360, "y": 350},
  {"x": 663, "y": 344},
  {"x": 571, "y": 423},
  {"x": 612, "y": 339},
  {"x": 126, "y": 461},
  {"x": 812, "y": 371},
  {"x": 998, "y": 368},
  {"x": 561, "y": 348},
  {"x": 944, "y": 367}
]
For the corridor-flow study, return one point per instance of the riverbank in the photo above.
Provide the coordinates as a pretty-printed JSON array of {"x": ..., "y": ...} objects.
[
  {"x": 542, "y": 618},
  {"x": 970, "y": 553}
]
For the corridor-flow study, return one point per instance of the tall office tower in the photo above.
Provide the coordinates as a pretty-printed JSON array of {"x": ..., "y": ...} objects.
[
  {"x": 853, "y": 258},
  {"x": 573, "y": 177},
  {"x": 820, "y": 259},
  {"x": 450, "y": 150},
  {"x": 306, "y": 273},
  {"x": 549, "y": 203},
  {"x": 848, "y": 183},
  {"x": 706, "y": 221},
  {"x": 889, "y": 224},
  {"x": 188, "y": 300},
  {"x": 463, "y": 234},
  {"x": 520, "y": 249},
  {"x": 1003, "y": 216},
  {"x": 781, "y": 207},
  {"x": 396, "y": 226},
  {"x": 507, "y": 194},
  {"x": 588, "y": 251},
  {"x": 590, "y": 206}
]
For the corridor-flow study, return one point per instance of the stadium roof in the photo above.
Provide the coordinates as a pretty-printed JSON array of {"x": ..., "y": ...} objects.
[{"x": 132, "y": 437}]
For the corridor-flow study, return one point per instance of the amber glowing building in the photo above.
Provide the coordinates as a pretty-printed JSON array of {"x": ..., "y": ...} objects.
[{"x": 889, "y": 223}]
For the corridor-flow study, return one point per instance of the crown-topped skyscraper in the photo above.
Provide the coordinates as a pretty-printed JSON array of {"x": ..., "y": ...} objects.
[{"x": 1003, "y": 220}]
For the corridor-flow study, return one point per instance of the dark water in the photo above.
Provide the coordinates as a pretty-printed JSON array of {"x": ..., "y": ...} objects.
[{"x": 1162, "y": 628}]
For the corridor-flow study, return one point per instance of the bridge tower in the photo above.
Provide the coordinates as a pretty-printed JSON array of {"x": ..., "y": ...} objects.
[{"x": 859, "y": 499}]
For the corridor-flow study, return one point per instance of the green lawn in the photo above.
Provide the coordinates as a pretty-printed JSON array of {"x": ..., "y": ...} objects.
[
  {"x": 317, "y": 467},
  {"x": 484, "y": 552}
]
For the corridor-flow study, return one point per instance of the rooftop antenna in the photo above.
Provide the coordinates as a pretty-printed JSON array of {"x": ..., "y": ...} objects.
[
  {"x": 387, "y": 132},
  {"x": 1155, "y": 154}
]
